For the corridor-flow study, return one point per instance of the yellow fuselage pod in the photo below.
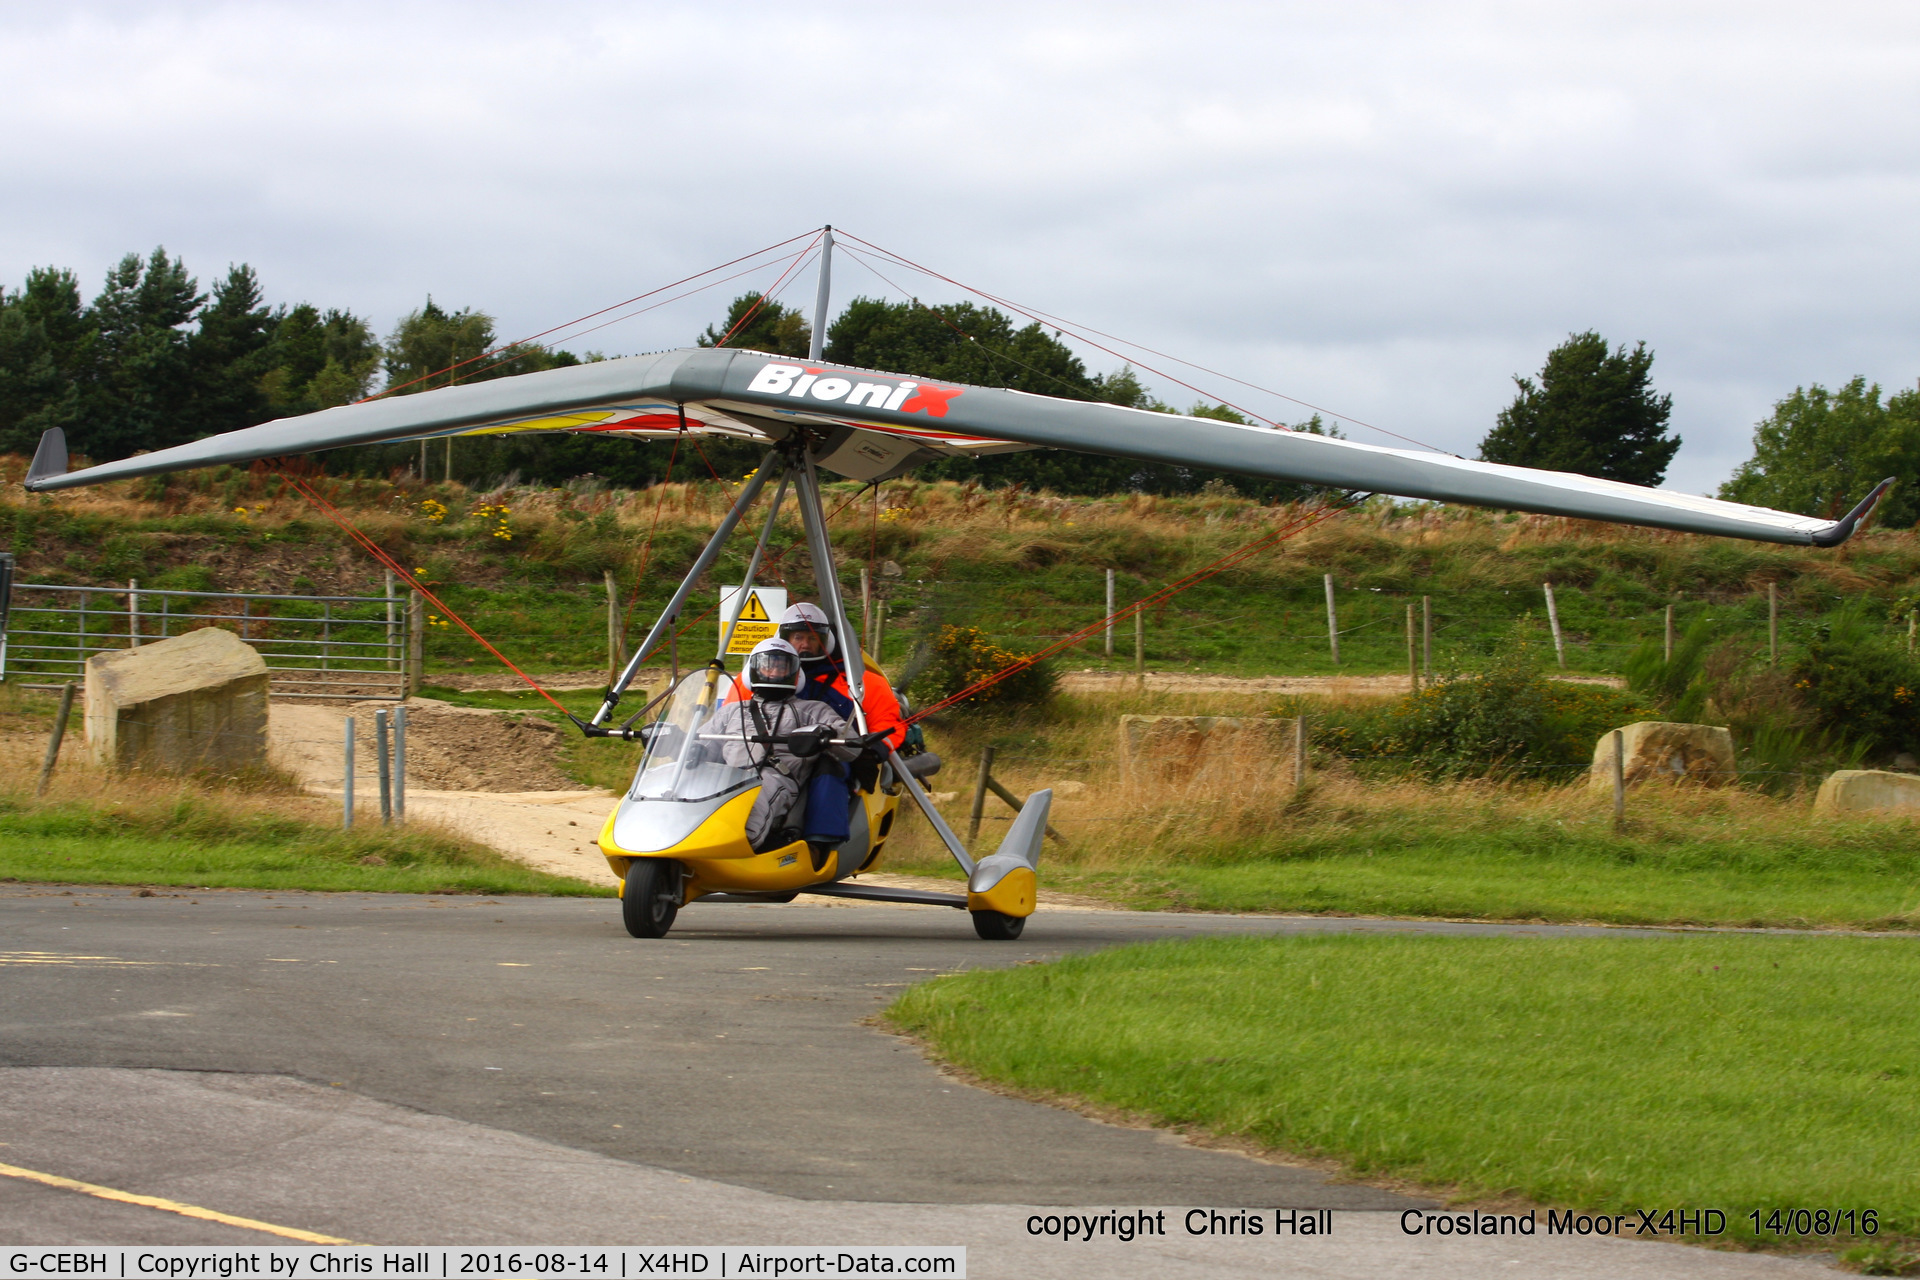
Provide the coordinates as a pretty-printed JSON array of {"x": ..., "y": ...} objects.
[
  {"x": 719, "y": 859},
  {"x": 1013, "y": 896}
]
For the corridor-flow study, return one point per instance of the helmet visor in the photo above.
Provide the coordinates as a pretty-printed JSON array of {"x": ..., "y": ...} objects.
[{"x": 773, "y": 667}]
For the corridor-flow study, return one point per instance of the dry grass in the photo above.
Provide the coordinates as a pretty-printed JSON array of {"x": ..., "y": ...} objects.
[
  {"x": 1240, "y": 836},
  {"x": 251, "y": 829}
]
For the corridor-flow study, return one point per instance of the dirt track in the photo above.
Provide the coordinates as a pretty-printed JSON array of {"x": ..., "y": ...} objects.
[{"x": 1071, "y": 681}]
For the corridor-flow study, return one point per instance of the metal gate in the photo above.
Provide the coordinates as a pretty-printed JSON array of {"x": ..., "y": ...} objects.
[{"x": 347, "y": 647}]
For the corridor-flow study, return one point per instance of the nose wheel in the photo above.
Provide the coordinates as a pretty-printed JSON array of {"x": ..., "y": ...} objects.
[
  {"x": 996, "y": 926},
  {"x": 650, "y": 897}
]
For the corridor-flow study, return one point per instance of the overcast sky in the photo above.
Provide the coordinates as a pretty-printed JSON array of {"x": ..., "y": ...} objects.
[{"x": 1385, "y": 209}]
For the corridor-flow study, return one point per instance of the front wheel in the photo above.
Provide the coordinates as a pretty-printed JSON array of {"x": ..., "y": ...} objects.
[
  {"x": 650, "y": 897},
  {"x": 996, "y": 926}
]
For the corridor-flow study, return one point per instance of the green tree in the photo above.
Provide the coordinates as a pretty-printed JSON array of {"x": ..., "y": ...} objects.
[
  {"x": 1820, "y": 451},
  {"x": 983, "y": 347},
  {"x": 775, "y": 329},
  {"x": 319, "y": 360},
  {"x": 228, "y": 355},
  {"x": 46, "y": 340},
  {"x": 1593, "y": 412},
  {"x": 139, "y": 390},
  {"x": 427, "y": 344}
]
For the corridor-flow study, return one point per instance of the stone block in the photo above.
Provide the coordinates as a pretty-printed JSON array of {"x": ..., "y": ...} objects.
[
  {"x": 195, "y": 701},
  {"x": 1180, "y": 749},
  {"x": 1867, "y": 790},
  {"x": 1699, "y": 753}
]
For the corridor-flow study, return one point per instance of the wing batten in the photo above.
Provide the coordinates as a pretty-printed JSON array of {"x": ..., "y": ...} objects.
[{"x": 756, "y": 395}]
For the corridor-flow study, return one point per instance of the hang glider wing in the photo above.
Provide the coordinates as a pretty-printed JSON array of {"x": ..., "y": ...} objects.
[{"x": 874, "y": 425}]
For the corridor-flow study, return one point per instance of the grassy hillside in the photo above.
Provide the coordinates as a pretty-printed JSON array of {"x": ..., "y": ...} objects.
[{"x": 525, "y": 566}]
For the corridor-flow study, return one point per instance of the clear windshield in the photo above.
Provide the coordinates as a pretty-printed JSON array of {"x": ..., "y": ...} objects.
[{"x": 678, "y": 765}]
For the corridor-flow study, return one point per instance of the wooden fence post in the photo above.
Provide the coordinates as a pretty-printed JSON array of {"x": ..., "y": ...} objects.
[
  {"x": 1299, "y": 748},
  {"x": 1669, "y": 650},
  {"x": 1413, "y": 656},
  {"x": 1109, "y": 615},
  {"x": 416, "y": 642},
  {"x": 53, "y": 742},
  {"x": 1553, "y": 621},
  {"x": 615, "y": 658},
  {"x": 396, "y": 652},
  {"x": 1333, "y": 621},
  {"x": 980, "y": 794}
]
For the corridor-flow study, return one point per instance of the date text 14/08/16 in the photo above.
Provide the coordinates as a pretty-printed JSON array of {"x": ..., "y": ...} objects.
[{"x": 1798, "y": 1223}]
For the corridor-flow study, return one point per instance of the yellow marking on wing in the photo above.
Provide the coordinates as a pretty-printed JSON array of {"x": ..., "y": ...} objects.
[
  {"x": 168, "y": 1206},
  {"x": 559, "y": 422}
]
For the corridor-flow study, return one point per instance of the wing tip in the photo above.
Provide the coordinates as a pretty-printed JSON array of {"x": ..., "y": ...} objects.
[
  {"x": 49, "y": 459},
  {"x": 1842, "y": 529}
]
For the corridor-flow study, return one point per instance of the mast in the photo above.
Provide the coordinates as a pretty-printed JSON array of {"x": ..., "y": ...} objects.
[{"x": 817, "y": 347}]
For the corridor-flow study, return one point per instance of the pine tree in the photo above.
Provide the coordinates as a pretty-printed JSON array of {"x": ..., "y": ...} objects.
[{"x": 1593, "y": 412}]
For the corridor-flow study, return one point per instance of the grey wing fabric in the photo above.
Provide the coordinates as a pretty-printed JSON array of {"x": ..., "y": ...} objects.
[{"x": 867, "y": 425}]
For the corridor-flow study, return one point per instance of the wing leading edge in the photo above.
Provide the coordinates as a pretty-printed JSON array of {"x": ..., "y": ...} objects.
[{"x": 879, "y": 424}]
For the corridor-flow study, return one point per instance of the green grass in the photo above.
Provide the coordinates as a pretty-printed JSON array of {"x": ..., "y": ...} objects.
[
  {"x": 210, "y": 844},
  {"x": 1607, "y": 1074},
  {"x": 1024, "y": 567},
  {"x": 1522, "y": 874}
]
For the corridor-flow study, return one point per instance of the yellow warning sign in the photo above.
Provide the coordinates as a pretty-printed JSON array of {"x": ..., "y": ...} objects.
[{"x": 759, "y": 616}]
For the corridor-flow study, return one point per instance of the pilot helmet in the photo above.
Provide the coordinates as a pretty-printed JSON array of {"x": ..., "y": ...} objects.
[
  {"x": 773, "y": 670},
  {"x": 807, "y": 617}
]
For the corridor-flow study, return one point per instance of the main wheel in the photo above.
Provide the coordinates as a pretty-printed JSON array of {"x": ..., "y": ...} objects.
[
  {"x": 995, "y": 926},
  {"x": 650, "y": 897}
]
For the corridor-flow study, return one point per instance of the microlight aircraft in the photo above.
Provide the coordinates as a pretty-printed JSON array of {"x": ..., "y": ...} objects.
[{"x": 678, "y": 835}]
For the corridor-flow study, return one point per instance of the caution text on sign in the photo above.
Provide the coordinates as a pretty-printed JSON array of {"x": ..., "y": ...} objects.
[{"x": 759, "y": 615}]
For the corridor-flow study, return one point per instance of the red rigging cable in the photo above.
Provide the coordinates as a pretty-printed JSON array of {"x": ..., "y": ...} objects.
[
  {"x": 373, "y": 549},
  {"x": 1297, "y": 524},
  {"x": 770, "y": 294}
]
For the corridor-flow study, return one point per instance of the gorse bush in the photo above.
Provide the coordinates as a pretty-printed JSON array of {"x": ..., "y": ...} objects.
[
  {"x": 1858, "y": 685},
  {"x": 964, "y": 656},
  {"x": 1504, "y": 717}
]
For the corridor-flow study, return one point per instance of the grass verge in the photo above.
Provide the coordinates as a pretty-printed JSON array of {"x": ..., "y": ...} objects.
[
  {"x": 254, "y": 832},
  {"x": 1737, "y": 1073},
  {"x": 1239, "y": 836}
]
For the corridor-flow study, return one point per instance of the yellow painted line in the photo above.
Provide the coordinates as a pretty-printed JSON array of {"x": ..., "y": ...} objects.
[{"x": 169, "y": 1206}]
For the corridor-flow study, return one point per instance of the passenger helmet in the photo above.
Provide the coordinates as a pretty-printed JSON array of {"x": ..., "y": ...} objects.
[
  {"x": 807, "y": 617},
  {"x": 773, "y": 670}
]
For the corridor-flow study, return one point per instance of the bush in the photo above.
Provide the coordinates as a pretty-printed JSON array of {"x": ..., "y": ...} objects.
[
  {"x": 966, "y": 655},
  {"x": 1505, "y": 717},
  {"x": 1861, "y": 688}
]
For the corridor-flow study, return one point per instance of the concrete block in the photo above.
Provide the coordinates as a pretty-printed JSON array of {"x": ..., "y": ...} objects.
[
  {"x": 1699, "y": 753},
  {"x": 1867, "y": 790},
  {"x": 1181, "y": 748},
  {"x": 195, "y": 701}
]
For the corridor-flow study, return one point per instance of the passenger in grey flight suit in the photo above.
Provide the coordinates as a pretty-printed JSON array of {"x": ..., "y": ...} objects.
[{"x": 773, "y": 677}]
